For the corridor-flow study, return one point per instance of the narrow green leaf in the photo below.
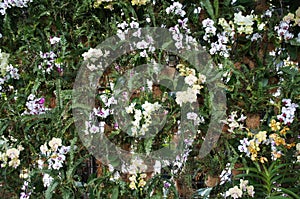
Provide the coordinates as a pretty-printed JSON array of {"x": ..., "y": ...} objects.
[
  {"x": 50, "y": 189},
  {"x": 115, "y": 193},
  {"x": 251, "y": 175},
  {"x": 289, "y": 192},
  {"x": 209, "y": 8},
  {"x": 277, "y": 197},
  {"x": 216, "y": 5}
]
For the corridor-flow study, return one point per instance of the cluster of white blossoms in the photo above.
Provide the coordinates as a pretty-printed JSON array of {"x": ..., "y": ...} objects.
[
  {"x": 287, "y": 111},
  {"x": 137, "y": 172},
  {"x": 244, "y": 23},
  {"x": 194, "y": 116},
  {"x": 283, "y": 30},
  {"x": 180, "y": 160},
  {"x": 288, "y": 21},
  {"x": 5, "y": 4},
  {"x": 124, "y": 27},
  {"x": 188, "y": 96},
  {"x": 226, "y": 174},
  {"x": 115, "y": 174},
  {"x": 145, "y": 43},
  {"x": 176, "y": 8},
  {"x": 26, "y": 189},
  {"x": 210, "y": 29},
  {"x": 54, "y": 40},
  {"x": 238, "y": 191},
  {"x": 9, "y": 154},
  {"x": 25, "y": 194},
  {"x": 7, "y": 72},
  {"x": 193, "y": 80},
  {"x": 11, "y": 73},
  {"x": 51, "y": 60},
  {"x": 298, "y": 152},
  {"x": 181, "y": 32},
  {"x": 53, "y": 156},
  {"x": 256, "y": 36},
  {"x": 142, "y": 118},
  {"x": 35, "y": 106},
  {"x": 92, "y": 127},
  {"x": 219, "y": 46},
  {"x": 136, "y": 166},
  {"x": 251, "y": 147},
  {"x": 234, "y": 122},
  {"x": 94, "y": 58},
  {"x": 11, "y": 157}
]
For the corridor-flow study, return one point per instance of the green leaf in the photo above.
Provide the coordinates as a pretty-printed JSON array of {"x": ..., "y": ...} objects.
[
  {"x": 277, "y": 197},
  {"x": 50, "y": 189},
  {"x": 115, "y": 193},
  {"x": 66, "y": 94},
  {"x": 290, "y": 193},
  {"x": 209, "y": 8},
  {"x": 67, "y": 124},
  {"x": 148, "y": 145},
  {"x": 66, "y": 193},
  {"x": 203, "y": 192},
  {"x": 36, "y": 86},
  {"x": 294, "y": 42},
  {"x": 216, "y": 5}
]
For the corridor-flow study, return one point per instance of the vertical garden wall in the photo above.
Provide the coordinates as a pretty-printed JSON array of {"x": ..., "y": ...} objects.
[{"x": 149, "y": 99}]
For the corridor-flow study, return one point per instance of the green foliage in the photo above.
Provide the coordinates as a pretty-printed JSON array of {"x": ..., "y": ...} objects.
[
  {"x": 250, "y": 76},
  {"x": 266, "y": 179}
]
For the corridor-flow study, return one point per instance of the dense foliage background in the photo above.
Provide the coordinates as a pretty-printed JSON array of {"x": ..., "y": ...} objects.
[{"x": 255, "y": 45}]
